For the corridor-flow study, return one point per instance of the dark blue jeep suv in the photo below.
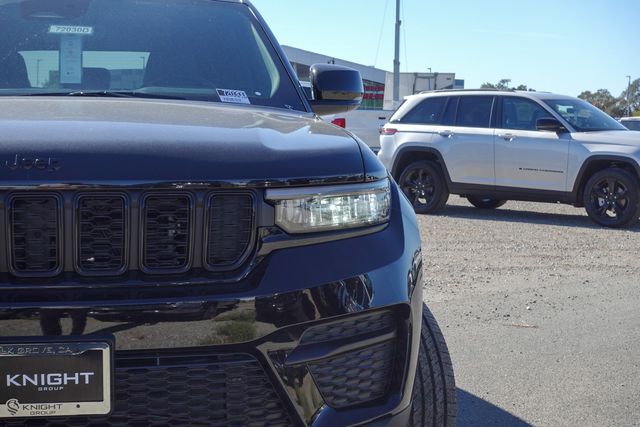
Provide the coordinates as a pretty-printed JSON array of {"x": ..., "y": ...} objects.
[{"x": 184, "y": 242}]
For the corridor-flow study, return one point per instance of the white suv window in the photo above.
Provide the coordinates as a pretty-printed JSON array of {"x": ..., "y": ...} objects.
[
  {"x": 428, "y": 112},
  {"x": 474, "y": 111},
  {"x": 521, "y": 114}
]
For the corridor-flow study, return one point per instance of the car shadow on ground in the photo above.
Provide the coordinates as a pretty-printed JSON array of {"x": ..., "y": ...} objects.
[
  {"x": 511, "y": 215},
  {"x": 474, "y": 411}
]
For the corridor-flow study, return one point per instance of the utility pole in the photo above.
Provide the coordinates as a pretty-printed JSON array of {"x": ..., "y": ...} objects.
[
  {"x": 628, "y": 99},
  {"x": 396, "y": 59}
]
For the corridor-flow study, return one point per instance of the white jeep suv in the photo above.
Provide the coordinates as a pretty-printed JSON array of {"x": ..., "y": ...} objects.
[{"x": 492, "y": 146}]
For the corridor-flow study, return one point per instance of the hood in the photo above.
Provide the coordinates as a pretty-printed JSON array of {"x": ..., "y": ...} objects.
[
  {"x": 129, "y": 141},
  {"x": 612, "y": 137}
]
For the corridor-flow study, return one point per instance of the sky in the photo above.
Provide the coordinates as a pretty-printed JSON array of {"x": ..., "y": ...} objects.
[{"x": 562, "y": 46}]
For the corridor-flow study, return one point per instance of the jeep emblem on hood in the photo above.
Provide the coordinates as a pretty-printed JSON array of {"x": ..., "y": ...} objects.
[{"x": 27, "y": 163}]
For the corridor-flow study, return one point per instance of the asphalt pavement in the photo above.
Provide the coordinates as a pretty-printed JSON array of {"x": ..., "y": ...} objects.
[{"x": 540, "y": 308}]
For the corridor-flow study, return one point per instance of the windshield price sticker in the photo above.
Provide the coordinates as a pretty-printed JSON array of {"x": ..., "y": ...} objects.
[
  {"x": 70, "y": 29},
  {"x": 233, "y": 96},
  {"x": 70, "y": 59}
]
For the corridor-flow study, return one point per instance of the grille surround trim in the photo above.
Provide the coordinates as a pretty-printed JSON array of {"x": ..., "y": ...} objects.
[
  {"x": 143, "y": 226},
  {"x": 9, "y": 203},
  {"x": 207, "y": 231},
  {"x": 76, "y": 234}
]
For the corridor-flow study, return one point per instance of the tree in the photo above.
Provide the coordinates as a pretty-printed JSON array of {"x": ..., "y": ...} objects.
[
  {"x": 503, "y": 84},
  {"x": 603, "y": 100},
  {"x": 634, "y": 99}
]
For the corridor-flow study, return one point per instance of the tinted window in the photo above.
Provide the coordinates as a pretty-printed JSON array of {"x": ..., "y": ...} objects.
[
  {"x": 449, "y": 118},
  {"x": 475, "y": 111},
  {"x": 631, "y": 124},
  {"x": 212, "y": 51},
  {"x": 427, "y": 112},
  {"x": 521, "y": 114}
]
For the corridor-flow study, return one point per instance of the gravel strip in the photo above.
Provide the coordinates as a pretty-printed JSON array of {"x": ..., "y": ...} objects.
[{"x": 539, "y": 307}]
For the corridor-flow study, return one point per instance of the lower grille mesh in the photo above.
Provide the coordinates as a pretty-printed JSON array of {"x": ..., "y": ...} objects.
[
  {"x": 356, "y": 377},
  {"x": 368, "y": 323},
  {"x": 230, "y": 392},
  {"x": 34, "y": 234}
]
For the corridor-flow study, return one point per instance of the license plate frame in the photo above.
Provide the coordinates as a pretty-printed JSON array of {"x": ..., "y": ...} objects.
[{"x": 56, "y": 378}]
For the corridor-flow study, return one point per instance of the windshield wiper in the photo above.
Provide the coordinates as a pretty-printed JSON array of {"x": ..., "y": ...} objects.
[{"x": 108, "y": 94}]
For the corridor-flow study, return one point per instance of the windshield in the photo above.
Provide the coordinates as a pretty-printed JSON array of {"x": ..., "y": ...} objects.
[
  {"x": 583, "y": 116},
  {"x": 196, "y": 50}
]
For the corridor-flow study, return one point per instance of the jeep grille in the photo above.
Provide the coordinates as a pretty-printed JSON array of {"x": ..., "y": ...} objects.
[{"x": 109, "y": 233}]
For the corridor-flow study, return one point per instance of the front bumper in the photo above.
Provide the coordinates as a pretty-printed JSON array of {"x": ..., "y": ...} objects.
[{"x": 189, "y": 353}]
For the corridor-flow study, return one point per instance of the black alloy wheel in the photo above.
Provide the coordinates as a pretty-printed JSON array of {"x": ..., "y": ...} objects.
[
  {"x": 485, "y": 202},
  {"x": 611, "y": 198},
  {"x": 424, "y": 186}
]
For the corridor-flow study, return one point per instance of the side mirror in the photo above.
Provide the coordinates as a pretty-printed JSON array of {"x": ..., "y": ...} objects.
[
  {"x": 336, "y": 89},
  {"x": 549, "y": 124}
]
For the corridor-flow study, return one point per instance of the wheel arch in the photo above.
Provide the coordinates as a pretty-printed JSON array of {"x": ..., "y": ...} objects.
[
  {"x": 410, "y": 154},
  {"x": 597, "y": 163}
]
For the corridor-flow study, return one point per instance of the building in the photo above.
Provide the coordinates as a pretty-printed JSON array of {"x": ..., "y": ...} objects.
[
  {"x": 411, "y": 83},
  {"x": 378, "y": 84}
]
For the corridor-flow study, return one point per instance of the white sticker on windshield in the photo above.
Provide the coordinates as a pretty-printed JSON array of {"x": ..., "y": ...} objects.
[
  {"x": 71, "y": 59},
  {"x": 70, "y": 29},
  {"x": 233, "y": 96}
]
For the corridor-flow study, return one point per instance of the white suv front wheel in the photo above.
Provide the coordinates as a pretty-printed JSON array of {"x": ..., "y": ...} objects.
[
  {"x": 612, "y": 198},
  {"x": 423, "y": 184}
]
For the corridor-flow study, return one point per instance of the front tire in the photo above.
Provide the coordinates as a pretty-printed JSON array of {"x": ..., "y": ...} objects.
[
  {"x": 434, "y": 389},
  {"x": 423, "y": 184},
  {"x": 485, "y": 202},
  {"x": 612, "y": 198}
]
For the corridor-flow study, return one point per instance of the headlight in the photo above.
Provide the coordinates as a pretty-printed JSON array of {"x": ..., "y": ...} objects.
[{"x": 314, "y": 209}]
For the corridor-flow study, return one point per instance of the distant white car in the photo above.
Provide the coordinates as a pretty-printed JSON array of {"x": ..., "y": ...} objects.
[{"x": 493, "y": 146}]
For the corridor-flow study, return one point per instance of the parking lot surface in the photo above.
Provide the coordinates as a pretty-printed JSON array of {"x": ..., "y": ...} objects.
[{"x": 540, "y": 310}]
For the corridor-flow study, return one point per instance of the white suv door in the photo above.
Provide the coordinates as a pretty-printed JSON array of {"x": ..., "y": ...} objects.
[
  {"x": 467, "y": 143},
  {"x": 524, "y": 156}
]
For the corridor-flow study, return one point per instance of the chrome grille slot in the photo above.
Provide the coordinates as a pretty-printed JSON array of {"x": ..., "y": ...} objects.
[
  {"x": 167, "y": 233},
  {"x": 35, "y": 235},
  {"x": 230, "y": 223},
  {"x": 101, "y": 234}
]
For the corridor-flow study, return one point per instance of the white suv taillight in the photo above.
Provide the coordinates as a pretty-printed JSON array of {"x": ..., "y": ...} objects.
[{"x": 342, "y": 122}]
